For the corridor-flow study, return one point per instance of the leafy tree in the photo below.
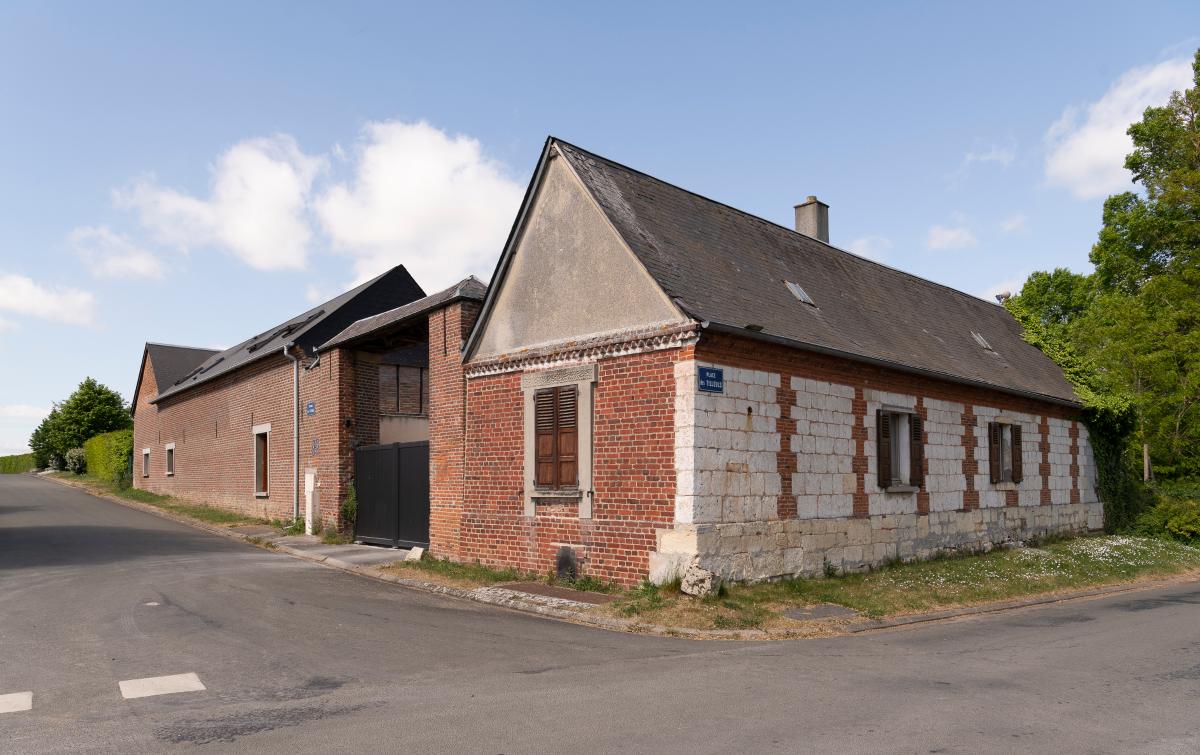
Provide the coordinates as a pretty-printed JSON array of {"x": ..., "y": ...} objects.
[
  {"x": 1056, "y": 298},
  {"x": 92, "y": 409}
]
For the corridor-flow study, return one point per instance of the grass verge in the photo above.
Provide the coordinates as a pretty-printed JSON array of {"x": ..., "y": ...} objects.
[
  {"x": 948, "y": 582},
  {"x": 444, "y": 571},
  {"x": 208, "y": 514}
]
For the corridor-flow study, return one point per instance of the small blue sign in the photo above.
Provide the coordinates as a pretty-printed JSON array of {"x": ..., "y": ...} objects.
[
  {"x": 310, "y": 408},
  {"x": 712, "y": 380}
]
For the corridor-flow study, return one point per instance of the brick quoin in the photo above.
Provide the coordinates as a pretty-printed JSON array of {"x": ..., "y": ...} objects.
[
  {"x": 633, "y": 473},
  {"x": 970, "y": 465},
  {"x": 923, "y": 493},
  {"x": 786, "y": 459},
  {"x": 1044, "y": 466},
  {"x": 862, "y": 504}
]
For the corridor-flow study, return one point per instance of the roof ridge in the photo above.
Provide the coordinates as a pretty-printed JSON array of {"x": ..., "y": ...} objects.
[
  {"x": 763, "y": 220},
  {"x": 181, "y": 346}
]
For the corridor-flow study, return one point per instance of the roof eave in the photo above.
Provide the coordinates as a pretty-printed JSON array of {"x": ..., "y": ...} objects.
[
  {"x": 898, "y": 366},
  {"x": 334, "y": 343}
]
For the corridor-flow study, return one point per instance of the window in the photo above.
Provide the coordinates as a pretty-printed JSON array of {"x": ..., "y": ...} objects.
[
  {"x": 1004, "y": 452},
  {"x": 170, "y": 447},
  {"x": 403, "y": 389},
  {"x": 145, "y": 462},
  {"x": 556, "y": 432},
  {"x": 900, "y": 448},
  {"x": 262, "y": 448}
]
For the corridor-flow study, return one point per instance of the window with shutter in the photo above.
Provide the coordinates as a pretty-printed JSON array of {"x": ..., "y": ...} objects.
[
  {"x": 883, "y": 447},
  {"x": 556, "y": 441},
  {"x": 1017, "y": 469},
  {"x": 1004, "y": 452},
  {"x": 916, "y": 474}
]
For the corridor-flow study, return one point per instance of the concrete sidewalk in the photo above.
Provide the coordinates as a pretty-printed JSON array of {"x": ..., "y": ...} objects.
[{"x": 349, "y": 555}]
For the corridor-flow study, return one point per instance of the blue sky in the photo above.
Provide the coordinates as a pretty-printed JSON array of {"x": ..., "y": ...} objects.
[{"x": 194, "y": 173}]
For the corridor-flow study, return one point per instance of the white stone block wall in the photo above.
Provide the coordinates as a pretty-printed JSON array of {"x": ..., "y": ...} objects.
[
  {"x": 878, "y": 501},
  {"x": 944, "y": 450},
  {"x": 1060, "y": 461},
  {"x": 1029, "y": 490},
  {"x": 726, "y": 446},
  {"x": 824, "y": 481},
  {"x": 1089, "y": 483}
]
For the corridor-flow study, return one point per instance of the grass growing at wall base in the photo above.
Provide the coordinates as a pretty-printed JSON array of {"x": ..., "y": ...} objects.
[
  {"x": 948, "y": 582},
  {"x": 208, "y": 514}
]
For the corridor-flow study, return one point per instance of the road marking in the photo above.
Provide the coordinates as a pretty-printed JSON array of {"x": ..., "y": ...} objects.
[
  {"x": 160, "y": 685},
  {"x": 151, "y": 603},
  {"x": 16, "y": 702}
]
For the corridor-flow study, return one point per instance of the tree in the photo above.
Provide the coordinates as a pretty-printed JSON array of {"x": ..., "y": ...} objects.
[
  {"x": 1057, "y": 299},
  {"x": 92, "y": 409}
]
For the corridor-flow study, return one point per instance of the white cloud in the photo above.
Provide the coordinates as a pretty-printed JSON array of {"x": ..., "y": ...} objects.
[
  {"x": 1087, "y": 145},
  {"x": 7, "y": 325},
  {"x": 257, "y": 209},
  {"x": 871, "y": 247},
  {"x": 111, "y": 255},
  {"x": 17, "y": 421},
  {"x": 995, "y": 153},
  {"x": 420, "y": 197},
  {"x": 23, "y": 411},
  {"x": 1016, "y": 223},
  {"x": 1007, "y": 286},
  {"x": 24, "y": 296},
  {"x": 944, "y": 237}
]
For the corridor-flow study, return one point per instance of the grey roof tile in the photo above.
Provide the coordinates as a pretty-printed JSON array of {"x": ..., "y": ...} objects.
[
  {"x": 468, "y": 288},
  {"x": 731, "y": 269}
]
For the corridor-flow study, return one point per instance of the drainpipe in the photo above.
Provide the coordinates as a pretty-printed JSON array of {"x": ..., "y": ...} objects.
[{"x": 295, "y": 429}]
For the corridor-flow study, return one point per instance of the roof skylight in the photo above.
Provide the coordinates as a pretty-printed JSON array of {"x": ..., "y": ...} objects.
[{"x": 800, "y": 293}]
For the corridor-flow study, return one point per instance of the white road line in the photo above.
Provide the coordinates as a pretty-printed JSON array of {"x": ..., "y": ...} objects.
[
  {"x": 160, "y": 685},
  {"x": 16, "y": 702}
]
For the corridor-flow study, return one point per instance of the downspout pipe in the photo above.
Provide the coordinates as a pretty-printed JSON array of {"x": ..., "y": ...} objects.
[{"x": 295, "y": 428}]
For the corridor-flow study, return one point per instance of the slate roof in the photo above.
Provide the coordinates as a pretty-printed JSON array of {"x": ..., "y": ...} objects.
[
  {"x": 468, "y": 288},
  {"x": 307, "y": 330},
  {"x": 169, "y": 362},
  {"x": 729, "y": 268}
]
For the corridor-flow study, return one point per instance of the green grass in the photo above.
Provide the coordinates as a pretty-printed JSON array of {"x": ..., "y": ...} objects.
[
  {"x": 947, "y": 582},
  {"x": 208, "y": 514},
  {"x": 474, "y": 573},
  {"x": 333, "y": 537}
]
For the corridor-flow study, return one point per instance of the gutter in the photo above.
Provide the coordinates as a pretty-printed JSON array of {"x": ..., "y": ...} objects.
[
  {"x": 733, "y": 330},
  {"x": 295, "y": 430}
]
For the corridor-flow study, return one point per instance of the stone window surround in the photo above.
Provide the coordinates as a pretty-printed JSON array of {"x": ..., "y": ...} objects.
[
  {"x": 583, "y": 377},
  {"x": 169, "y": 454},
  {"x": 256, "y": 431},
  {"x": 904, "y": 489}
]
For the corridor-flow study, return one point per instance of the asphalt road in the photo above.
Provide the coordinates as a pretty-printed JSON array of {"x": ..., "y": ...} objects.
[{"x": 295, "y": 657}]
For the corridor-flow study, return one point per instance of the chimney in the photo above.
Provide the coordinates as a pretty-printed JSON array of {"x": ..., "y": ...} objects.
[{"x": 812, "y": 219}]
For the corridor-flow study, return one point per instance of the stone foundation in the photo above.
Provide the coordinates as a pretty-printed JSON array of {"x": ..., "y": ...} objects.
[{"x": 756, "y": 551}]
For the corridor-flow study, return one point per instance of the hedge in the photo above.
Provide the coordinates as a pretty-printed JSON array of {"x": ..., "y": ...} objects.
[
  {"x": 108, "y": 455},
  {"x": 16, "y": 464}
]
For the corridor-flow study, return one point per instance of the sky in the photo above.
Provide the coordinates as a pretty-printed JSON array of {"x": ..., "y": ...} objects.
[{"x": 196, "y": 173}]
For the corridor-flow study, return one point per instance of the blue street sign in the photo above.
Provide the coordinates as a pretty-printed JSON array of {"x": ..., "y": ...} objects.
[
  {"x": 310, "y": 408},
  {"x": 712, "y": 380}
]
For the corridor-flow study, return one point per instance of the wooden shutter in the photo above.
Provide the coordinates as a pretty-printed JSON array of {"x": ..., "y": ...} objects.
[
  {"x": 544, "y": 411},
  {"x": 883, "y": 447},
  {"x": 994, "y": 442},
  {"x": 567, "y": 450},
  {"x": 1017, "y": 471},
  {"x": 916, "y": 471}
]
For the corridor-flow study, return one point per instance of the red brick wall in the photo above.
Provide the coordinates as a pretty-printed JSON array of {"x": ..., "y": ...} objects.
[
  {"x": 448, "y": 329},
  {"x": 211, "y": 426},
  {"x": 633, "y": 473}
]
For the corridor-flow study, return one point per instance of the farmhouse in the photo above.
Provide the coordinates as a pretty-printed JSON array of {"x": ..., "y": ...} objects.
[{"x": 653, "y": 379}]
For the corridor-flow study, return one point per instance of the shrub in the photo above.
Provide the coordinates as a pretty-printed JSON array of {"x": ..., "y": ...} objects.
[
  {"x": 349, "y": 508},
  {"x": 1171, "y": 518},
  {"x": 16, "y": 464},
  {"x": 76, "y": 461},
  {"x": 108, "y": 455}
]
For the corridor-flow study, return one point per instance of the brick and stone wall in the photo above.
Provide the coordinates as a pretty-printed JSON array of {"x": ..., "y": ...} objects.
[
  {"x": 633, "y": 472},
  {"x": 815, "y": 448}
]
